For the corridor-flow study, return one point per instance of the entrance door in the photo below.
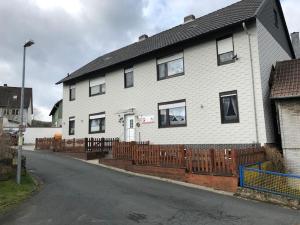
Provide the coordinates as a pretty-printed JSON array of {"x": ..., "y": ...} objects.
[{"x": 129, "y": 128}]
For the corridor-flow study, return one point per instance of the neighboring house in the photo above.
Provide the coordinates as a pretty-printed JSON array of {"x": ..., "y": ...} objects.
[
  {"x": 205, "y": 81},
  {"x": 56, "y": 113},
  {"x": 10, "y": 103},
  {"x": 286, "y": 94}
]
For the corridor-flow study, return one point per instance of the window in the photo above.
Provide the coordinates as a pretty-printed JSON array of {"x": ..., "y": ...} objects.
[
  {"x": 17, "y": 112},
  {"x": 128, "y": 78},
  {"x": 229, "y": 107},
  {"x": 97, "y": 123},
  {"x": 97, "y": 86},
  {"x": 225, "y": 50},
  {"x": 172, "y": 114},
  {"x": 170, "y": 66},
  {"x": 13, "y": 112},
  {"x": 72, "y": 92},
  {"x": 275, "y": 18},
  {"x": 72, "y": 125}
]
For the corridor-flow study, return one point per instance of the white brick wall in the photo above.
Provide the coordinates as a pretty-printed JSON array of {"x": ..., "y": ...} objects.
[{"x": 200, "y": 86}]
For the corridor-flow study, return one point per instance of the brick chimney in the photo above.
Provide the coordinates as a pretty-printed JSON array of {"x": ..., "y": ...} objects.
[{"x": 296, "y": 43}]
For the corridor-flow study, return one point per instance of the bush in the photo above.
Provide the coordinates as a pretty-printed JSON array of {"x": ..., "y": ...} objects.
[
  {"x": 276, "y": 159},
  {"x": 7, "y": 154}
]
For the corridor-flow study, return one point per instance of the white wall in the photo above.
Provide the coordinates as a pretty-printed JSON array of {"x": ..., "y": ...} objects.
[
  {"x": 32, "y": 133},
  {"x": 200, "y": 86},
  {"x": 269, "y": 53}
]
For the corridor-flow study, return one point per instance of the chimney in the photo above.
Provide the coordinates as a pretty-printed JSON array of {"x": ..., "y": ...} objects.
[
  {"x": 143, "y": 37},
  {"x": 4, "y": 85},
  {"x": 189, "y": 18},
  {"x": 296, "y": 43}
]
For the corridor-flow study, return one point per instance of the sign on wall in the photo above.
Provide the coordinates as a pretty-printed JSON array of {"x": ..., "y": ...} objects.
[{"x": 147, "y": 119}]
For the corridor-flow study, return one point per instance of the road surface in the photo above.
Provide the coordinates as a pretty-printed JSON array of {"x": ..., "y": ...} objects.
[{"x": 77, "y": 193}]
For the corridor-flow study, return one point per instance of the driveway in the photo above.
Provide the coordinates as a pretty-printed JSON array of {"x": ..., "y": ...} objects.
[{"x": 76, "y": 193}]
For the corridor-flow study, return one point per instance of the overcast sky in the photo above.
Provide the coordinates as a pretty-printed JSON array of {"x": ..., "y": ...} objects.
[{"x": 70, "y": 33}]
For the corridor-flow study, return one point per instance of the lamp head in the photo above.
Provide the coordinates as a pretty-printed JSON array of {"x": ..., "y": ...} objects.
[{"x": 28, "y": 43}]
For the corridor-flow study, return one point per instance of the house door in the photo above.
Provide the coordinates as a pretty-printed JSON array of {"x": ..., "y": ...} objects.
[{"x": 129, "y": 128}]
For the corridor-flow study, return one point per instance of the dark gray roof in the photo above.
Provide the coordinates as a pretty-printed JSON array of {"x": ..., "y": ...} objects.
[
  {"x": 8, "y": 100},
  {"x": 230, "y": 15},
  {"x": 55, "y": 107},
  {"x": 286, "y": 80}
]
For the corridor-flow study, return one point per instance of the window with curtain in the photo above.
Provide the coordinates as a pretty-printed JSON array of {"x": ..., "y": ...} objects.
[
  {"x": 97, "y": 123},
  {"x": 225, "y": 50},
  {"x": 229, "y": 107},
  {"x": 97, "y": 86},
  {"x": 72, "y": 125},
  {"x": 172, "y": 114},
  {"x": 170, "y": 66},
  {"x": 128, "y": 78}
]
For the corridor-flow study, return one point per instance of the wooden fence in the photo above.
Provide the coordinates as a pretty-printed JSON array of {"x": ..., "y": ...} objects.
[
  {"x": 75, "y": 145},
  {"x": 202, "y": 161}
]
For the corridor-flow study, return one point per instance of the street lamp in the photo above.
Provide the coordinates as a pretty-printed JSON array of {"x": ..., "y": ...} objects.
[{"x": 21, "y": 126}]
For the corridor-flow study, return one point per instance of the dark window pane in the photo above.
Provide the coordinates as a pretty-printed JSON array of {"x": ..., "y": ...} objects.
[
  {"x": 177, "y": 116},
  {"x": 95, "y": 90},
  {"x": 129, "y": 79},
  {"x": 175, "y": 67},
  {"x": 229, "y": 109},
  {"x": 226, "y": 57},
  {"x": 163, "y": 117},
  {"x": 71, "y": 127},
  {"x": 102, "y": 124},
  {"x": 162, "y": 71},
  {"x": 72, "y": 94},
  {"x": 103, "y": 88},
  {"x": 95, "y": 125}
]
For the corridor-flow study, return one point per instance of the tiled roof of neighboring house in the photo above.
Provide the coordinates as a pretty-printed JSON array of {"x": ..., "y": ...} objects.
[
  {"x": 10, "y": 97},
  {"x": 55, "y": 107},
  {"x": 237, "y": 13},
  {"x": 286, "y": 79}
]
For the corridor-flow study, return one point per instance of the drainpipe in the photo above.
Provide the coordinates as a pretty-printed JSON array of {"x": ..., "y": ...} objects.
[{"x": 252, "y": 79}]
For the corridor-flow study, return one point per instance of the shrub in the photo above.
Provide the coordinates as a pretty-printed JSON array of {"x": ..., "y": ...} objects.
[{"x": 276, "y": 159}]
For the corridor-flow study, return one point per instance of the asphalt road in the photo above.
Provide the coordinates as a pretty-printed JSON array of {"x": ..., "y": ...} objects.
[{"x": 76, "y": 193}]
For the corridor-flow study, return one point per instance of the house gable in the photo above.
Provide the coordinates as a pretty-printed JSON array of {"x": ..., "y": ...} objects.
[{"x": 280, "y": 33}]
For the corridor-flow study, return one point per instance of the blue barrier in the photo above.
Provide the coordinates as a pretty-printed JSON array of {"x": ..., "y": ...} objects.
[{"x": 271, "y": 182}]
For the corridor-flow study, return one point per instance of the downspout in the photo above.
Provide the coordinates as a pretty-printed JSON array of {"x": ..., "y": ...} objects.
[{"x": 252, "y": 79}]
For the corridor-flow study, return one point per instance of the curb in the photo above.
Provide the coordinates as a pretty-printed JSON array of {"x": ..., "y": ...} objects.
[{"x": 160, "y": 179}]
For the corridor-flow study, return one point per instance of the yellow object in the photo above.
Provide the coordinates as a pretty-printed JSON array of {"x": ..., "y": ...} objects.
[{"x": 57, "y": 136}]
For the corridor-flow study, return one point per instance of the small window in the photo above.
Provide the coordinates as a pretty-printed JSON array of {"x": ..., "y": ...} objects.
[
  {"x": 72, "y": 125},
  {"x": 72, "y": 92},
  {"x": 97, "y": 86},
  {"x": 229, "y": 107},
  {"x": 17, "y": 112},
  {"x": 170, "y": 66},
  {"x": 275, "y": 18},
  {"x": 13, "y": 112},
  {"x": 128, "y": 78},
  {"x": 172, "y": 114},
  {"x": 225, "y": 50},
  {"x": 97, "y": 123}
]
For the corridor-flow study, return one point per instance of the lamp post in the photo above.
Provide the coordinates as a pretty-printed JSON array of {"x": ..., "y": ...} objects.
[{"x": 21, "y": 126}]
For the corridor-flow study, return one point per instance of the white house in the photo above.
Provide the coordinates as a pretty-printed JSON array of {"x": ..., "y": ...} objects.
[
  {"x": 10, "y": 103},
  {"x": 205, "y": 81}
]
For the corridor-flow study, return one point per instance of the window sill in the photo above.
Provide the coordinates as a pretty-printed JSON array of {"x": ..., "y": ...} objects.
[
  {"x": 230, "y": 122},
  {"x": 225, "y": 63},
  {"x": 71, "y": 100},
  {"x": 97, "y": 94},
  {"x": 172, "y": 76},
  {"x": 174, "y": 126},
  {"x": 97, "y": 132}
]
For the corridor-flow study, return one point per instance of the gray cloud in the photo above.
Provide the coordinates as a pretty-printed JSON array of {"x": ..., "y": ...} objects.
[{"x": 70, "y": 36}]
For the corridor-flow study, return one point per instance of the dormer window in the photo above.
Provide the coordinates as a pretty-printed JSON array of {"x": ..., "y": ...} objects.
[{"x": 225, "y": 50}]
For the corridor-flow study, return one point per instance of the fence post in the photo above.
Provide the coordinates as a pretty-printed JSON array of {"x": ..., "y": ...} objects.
[
  {"x": 235, "y": 163},
  {"x": 212, "y": 160},
  {"x": 181, "y": 156},
  {"x": 86, "y": 144},
  {"x": 102, "y": 144},
  {"x": 241, "y": 173},
  {"x": 35, "y": 146}
]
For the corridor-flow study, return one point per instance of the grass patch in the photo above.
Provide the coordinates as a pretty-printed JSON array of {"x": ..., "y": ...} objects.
[{"x": 11, "y": 193}]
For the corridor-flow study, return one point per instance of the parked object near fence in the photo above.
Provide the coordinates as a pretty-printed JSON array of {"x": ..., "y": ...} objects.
[
  {"x": 267, "y": 181},
  {"x": 86, "y": 148}
]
